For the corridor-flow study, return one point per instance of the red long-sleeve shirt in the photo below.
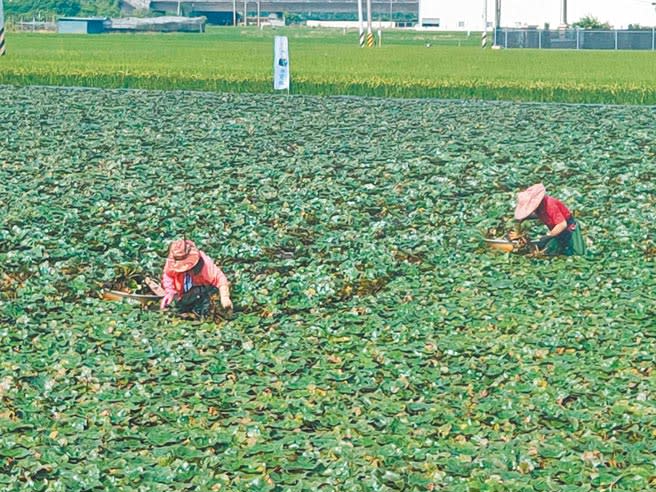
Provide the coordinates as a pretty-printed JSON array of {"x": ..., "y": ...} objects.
[{"x": 552, "y": 212}]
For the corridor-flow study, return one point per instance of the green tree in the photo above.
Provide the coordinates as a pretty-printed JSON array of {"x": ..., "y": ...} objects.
[
  {"x": 42, "y": 7},
  {"x": 292, "y": 18},
  {"x": 105, "y": 8},
  {"x": 590, "y": 22}
]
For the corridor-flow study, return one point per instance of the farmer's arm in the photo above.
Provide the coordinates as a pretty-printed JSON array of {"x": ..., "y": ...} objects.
[
  {"x": 218, "y": 279},
  {"x": 558, "y": 228},
  {"x": 224, "y": 292},
  {"x": 167, "y": 283},
  {"x": 169, "y": 290}
]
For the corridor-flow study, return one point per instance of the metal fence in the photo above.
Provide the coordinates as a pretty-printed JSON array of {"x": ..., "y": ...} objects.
[
  {"x": 576, "y": 39},
  {"x": 34, "y": 26}
]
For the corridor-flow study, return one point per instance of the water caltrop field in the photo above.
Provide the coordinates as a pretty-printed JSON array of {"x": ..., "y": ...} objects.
[{"x": 376, "y": 344}]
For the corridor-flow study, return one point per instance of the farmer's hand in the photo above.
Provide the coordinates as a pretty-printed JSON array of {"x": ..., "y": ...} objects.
[
  {"x": 224, "y": 291},
  {"x": 166, "y": 300},
  {"x": 512, "y": 235},
  {"x": 542, "y": 242},
  {"x": 226, "y": 302}
]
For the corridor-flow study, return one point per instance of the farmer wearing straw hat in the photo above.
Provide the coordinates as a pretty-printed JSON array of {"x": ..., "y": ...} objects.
[
  {"x": 190, "y": 277},
  {"x": 564, "y": 236}
]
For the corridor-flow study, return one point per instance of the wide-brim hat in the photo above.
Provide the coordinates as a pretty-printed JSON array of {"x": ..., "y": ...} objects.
[
  {"x": 183, "y": 256},
  {"x": 528, "y": 200}
]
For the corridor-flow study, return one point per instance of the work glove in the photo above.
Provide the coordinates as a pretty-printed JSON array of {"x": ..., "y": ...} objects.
[
  {"x": 166, "y": 300},
  {"x": 543, "y": 241}
]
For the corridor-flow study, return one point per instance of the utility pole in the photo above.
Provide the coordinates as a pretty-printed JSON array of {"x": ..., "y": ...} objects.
[
  {"x": 497, "y": 21},
  {"x": 497, "y": 13},
  {"x": 245, "y": 13},
  {"x": 179, "y": 8},
  {"x": 234, "y": 12},
  {"x": 563, "y": 14},
  {"x": 370, "y": 34},
  {"x": 258, "y": 13}
]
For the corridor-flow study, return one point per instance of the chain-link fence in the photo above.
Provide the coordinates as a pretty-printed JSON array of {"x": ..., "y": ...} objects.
[{"x": 577, "y": 39}]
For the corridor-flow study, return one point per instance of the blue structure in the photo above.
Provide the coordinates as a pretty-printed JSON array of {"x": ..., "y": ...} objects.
[{"x": 81, "y": 25}]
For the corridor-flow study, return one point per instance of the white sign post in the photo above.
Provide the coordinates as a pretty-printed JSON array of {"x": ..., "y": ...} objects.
[
  {"x": 3, "y": 50},
  {"x": 281, "y": 64}
]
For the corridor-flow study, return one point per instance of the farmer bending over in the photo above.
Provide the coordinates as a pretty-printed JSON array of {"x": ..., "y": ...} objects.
[
  {"x": 564, "y": 236},
  {"x": 190, "y": 278}
]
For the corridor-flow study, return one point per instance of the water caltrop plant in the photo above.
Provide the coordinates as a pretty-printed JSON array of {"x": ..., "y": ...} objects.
[{"x": 376, "y": 344}]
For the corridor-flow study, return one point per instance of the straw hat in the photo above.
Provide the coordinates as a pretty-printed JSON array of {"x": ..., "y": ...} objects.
[
  {"x": 183, "y": 256},
  {"x": 528, "y": 200}
]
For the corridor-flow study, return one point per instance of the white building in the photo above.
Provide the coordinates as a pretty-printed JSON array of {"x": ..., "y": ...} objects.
[{"x": 467, "y": 15}]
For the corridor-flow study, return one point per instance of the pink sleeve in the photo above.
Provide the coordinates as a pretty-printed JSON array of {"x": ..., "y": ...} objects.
[
  {"x": 213, "y": 273},
  {"x": 168, "y": 284}
]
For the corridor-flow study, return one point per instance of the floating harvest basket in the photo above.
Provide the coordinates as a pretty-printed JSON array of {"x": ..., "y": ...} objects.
[
  {"x": 115, "y": 295},
  {"x": 502, "y": 244}
]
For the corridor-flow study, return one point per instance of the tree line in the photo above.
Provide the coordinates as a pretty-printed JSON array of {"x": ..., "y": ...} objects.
[{"x": 69, "y": 8}]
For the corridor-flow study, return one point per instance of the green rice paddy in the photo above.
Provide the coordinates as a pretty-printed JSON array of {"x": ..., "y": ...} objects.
[{"x": 330, "y": 63}]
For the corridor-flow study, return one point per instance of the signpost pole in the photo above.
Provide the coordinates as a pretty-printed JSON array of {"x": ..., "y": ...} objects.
[{"x": 497, "y": 21}]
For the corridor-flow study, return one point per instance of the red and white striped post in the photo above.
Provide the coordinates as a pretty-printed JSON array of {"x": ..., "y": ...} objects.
[{"x": 3, "y": 49}]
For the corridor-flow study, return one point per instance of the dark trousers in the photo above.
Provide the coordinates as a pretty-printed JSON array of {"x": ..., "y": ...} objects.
[
  {"x": 568, "y": 242},
  {"x": 197, "y": 300}
]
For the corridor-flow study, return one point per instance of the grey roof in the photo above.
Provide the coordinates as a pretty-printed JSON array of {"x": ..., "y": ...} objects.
[{"x": 86, "y": 19}]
